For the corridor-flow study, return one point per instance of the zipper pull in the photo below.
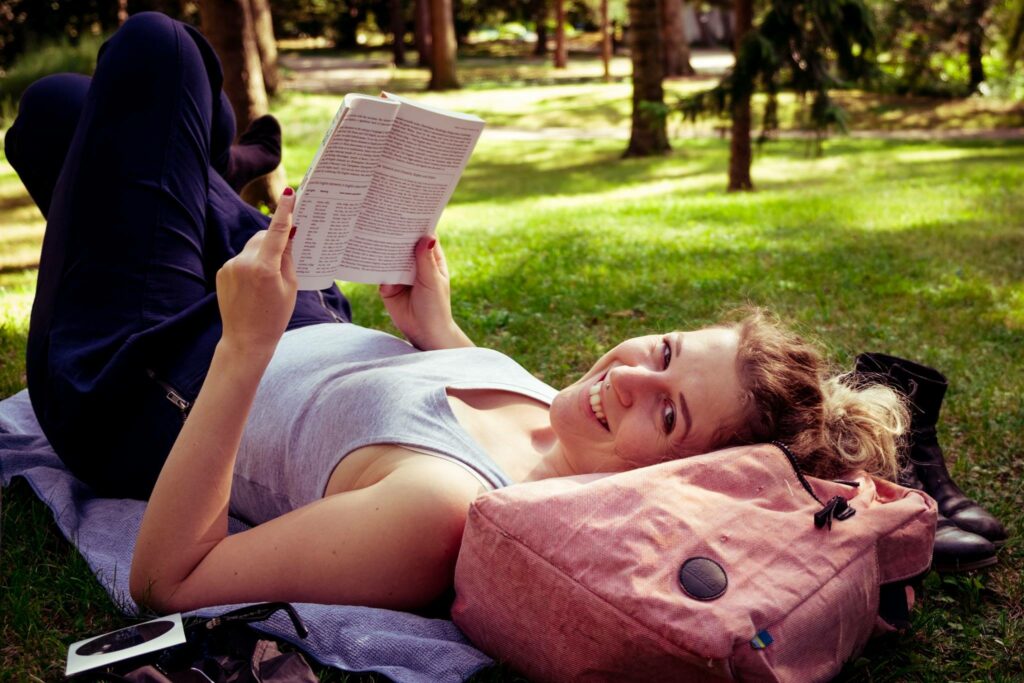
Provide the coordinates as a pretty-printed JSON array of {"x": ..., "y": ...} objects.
[
  {"x": 175, "y": 398},
  {"x": 836, "y": 508},
  {"x": 179, "y": 401}
]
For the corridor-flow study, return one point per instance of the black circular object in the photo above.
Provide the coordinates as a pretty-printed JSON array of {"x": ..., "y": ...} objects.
[
  {"x": 125, "y": 638},
  {"x": 702, "y": 578}
]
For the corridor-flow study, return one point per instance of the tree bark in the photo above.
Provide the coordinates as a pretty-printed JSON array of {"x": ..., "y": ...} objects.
[
  {"x": 606, "y": 42},
  {"x": 263, "y": 25},
  {"x": 561, "y": 52},
  {"x": 540, "y": 18},
  {"x": 229, "y": 27},
  {"x": 397, "y": 12},
  {"x": 442, "y": 23},
  {"x": 677, "y": 48},
  {"x": 739, "y": 146},
  {"x": 424, "y": 41},
  {"x": 648, "y": 134},
  {"x": 975, "y": 37}
]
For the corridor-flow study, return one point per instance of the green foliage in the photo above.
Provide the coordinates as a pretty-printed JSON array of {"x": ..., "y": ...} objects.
[
  {"x": 27, "y": 24},
  {"x": 923, "y": 44},
  {"x": 807, "y": 47},
  {"x": 62, "y": 56}
]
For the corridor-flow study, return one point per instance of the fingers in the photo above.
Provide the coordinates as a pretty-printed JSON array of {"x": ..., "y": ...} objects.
[
  {"x": 428, "y": 267},
  {"x": 277, "y": 236},
  {"x": 440, "y": 260},
  {"x": 388, "y": 291}
]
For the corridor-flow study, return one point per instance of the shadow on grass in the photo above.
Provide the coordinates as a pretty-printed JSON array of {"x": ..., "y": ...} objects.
[{"x": 17, "y": 201}]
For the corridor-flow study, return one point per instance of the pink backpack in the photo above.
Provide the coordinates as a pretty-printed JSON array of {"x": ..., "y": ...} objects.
[{"x": 730, "y": 565}]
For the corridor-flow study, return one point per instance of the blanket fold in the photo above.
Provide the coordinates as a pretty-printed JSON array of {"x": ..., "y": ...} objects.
[{"x": 404, "y": 647}]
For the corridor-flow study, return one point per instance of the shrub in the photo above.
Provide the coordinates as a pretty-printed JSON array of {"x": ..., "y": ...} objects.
[{"x": 49, "y": 58}]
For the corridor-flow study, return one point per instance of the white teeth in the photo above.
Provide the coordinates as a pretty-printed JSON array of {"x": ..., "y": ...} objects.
[{"x": 595, "y": 403}]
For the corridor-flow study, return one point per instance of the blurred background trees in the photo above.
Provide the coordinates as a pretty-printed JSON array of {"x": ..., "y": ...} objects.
[{"x": 935, "y": 48}]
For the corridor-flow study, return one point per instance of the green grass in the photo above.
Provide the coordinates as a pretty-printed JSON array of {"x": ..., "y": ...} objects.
[{"x": 560, "y": 249}]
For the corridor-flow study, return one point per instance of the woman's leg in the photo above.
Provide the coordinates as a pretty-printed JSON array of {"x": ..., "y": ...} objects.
[
  {"x": 125, "y": 281},
  {"x": 125, "y": 317},
  {"x": 37, "y": 142}
]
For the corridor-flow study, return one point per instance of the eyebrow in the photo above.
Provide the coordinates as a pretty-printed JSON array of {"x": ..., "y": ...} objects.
[{"x": 682, "y": 399}]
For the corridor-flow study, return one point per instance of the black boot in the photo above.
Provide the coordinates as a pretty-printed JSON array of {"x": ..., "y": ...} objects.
[
  {"x": 925, "y": 389},
  {"x": 257, "y": 153},
  {"x": 954, "y": 549}
]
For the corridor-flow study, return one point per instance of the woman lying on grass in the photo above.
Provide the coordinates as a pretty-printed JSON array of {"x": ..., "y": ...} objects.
[{"x": 355, "y": 454}]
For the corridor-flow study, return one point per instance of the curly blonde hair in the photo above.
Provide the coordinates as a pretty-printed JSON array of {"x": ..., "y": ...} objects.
[{"x": 832, "y": 424}]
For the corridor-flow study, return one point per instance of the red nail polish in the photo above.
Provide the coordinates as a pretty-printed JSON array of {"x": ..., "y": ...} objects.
[
  {"x": 288, "y": 192},
  {"x": 431, "y": 243},
  {"x": 292, "y": 233}
]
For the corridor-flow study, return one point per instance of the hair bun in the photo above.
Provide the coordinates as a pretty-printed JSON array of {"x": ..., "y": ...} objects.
[{"x": 863, "y": 424}]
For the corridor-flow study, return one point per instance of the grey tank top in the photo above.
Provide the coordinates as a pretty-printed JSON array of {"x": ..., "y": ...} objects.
[{"x": 335, "y": 387}]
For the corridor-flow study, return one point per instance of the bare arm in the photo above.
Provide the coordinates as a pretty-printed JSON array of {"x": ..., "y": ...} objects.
[
  {"x": 392, "y": 543},
  {"x": 187, "y": 512}
]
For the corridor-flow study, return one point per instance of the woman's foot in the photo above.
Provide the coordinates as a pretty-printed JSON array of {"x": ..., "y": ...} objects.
[{"x": 257, "y": 153}]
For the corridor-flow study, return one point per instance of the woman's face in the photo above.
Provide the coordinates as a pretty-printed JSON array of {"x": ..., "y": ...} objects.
[{"x": 651, "y": 399}]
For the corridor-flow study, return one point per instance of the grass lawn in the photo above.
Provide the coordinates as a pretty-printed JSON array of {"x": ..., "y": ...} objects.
[{"x": 560, "y": 249}]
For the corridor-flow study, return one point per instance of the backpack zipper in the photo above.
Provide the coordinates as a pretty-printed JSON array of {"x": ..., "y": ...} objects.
[
  {"x": 172, "y": 395},
  {"x": 796, "y": 468},
  {"x": 836, "y": 508}
]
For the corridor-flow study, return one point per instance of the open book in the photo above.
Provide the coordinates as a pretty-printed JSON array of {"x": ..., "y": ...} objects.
[{"x": 383, "y": 174}]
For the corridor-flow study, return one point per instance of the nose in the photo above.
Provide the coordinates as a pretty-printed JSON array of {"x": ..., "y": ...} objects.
[{"x": 629, "y": 381}]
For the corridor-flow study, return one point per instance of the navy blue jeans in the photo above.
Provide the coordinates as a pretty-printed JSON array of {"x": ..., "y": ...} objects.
[{"x": 126, "y": 168}]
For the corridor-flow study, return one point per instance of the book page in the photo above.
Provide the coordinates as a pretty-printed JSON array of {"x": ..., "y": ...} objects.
[
  {"x": 332, "y": 193},
  {"x": 424, "y": 157}
]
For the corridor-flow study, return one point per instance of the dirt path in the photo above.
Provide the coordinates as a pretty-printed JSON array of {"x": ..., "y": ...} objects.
[
  {"x": 339, "y": 75},
  {"x": 923, "y": 134}
]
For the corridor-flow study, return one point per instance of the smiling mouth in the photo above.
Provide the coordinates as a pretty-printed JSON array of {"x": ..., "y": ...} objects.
[{"x": 596, "y": 406}]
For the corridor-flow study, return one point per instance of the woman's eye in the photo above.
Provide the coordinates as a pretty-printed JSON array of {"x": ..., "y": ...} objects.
[
  {"x": 668, "y": 416},
  {"x": 666, "y": 353}
]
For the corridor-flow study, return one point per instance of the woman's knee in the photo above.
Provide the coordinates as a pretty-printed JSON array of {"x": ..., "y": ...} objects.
[
  {"x": 153, "y": 50},
  {"x": 49, "y": 106}
]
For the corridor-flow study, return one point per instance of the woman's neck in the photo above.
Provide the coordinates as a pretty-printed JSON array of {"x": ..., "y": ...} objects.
[{"x": 515, "y": 431}]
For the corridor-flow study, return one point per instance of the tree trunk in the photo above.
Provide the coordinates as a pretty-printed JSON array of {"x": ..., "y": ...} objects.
[
  {"x": 540, "y": 18},
  {"x": 561, "y": 52},
  {"x": 424, "y": 41},
  {"x": 442, "y": 23},
  {"x": 648, "y": 135},
  {"x": 975, "y": 37},
  {"x": 606, "y": 42},
  {"x": 397, "y": 31},
  {"x": 263, "y": 24},
  {"x": 673, "y": 32},
  {"x": 739, "y": 147},
  {"x": 228, "y": 26},
  {"x": 346, "y": 27}
]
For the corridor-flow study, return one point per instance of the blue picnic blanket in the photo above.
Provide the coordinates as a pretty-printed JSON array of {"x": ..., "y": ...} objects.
[{"x": 402, "y": 646}]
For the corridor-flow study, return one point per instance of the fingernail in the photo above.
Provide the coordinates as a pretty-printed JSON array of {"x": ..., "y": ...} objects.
[
  {"x": 292, "y": 233},
  {"x": 431, "y": 243},
  {"x": 288, "y": 192}
]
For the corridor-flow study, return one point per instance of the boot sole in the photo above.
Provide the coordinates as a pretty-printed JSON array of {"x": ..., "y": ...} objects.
[{"x": 956, "y": 567}]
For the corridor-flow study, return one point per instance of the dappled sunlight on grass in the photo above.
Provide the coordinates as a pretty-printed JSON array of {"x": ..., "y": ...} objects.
[
  {"x": 21, "y": 224},
  {"x": 560, "y": 248}
]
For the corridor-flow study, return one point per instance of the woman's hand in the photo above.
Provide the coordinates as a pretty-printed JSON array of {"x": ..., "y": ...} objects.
[
  {"x": 423, "y": 310},
  {"x": 256, "y": 289}
]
